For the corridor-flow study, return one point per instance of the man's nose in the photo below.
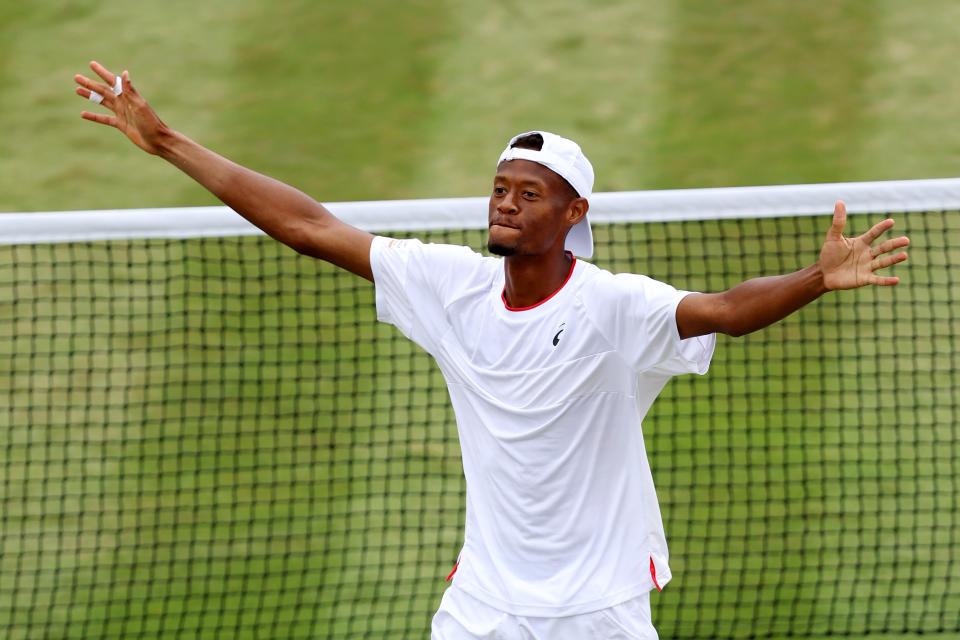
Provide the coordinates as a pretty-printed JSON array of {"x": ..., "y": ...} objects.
[{"x": 508, "y": 205}]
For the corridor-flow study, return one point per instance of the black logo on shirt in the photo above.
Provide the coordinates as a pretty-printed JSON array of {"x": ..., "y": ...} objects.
[{"x": 556, "y": 338}]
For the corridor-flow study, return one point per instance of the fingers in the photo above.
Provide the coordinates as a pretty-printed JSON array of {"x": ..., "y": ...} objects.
[
  {"x": 889, "y": 245},
  {"x": 839, "y": 221},
  {"x": 103, "y": 93},
  {"x": 127, "y": 86},
  {"x": 108, "y": 76},
  {"x": 106, "y": 93},
  {"x": 882, "y": 258},
  {"x": 87, "y": 86},
  {"x": 884, "y": 281},
  {"x": 877, "y": 230},
  {"x": 102, "y": 118},
  {"x": 853, "y": 263},
  {"x": 883, "y": 262}
]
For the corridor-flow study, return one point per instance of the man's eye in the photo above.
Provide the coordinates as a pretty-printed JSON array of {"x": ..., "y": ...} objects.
[
  {"x": 499, "y": 190},
  {"x": 530, "y": 194}
]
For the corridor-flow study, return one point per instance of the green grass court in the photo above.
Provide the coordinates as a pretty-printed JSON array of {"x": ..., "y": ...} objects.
[
  {"x": 384, "y": 100},
  {"x": 187, "y": 451}
]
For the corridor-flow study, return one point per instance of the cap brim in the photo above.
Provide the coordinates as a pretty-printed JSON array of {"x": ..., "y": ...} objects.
[{"x": 579, "y": 240}]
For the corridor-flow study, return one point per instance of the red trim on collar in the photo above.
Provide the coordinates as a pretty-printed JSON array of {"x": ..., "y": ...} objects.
[{"x": 503, "y": 294}]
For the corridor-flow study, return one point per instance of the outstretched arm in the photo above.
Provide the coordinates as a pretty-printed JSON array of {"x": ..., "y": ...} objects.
[
  {"x": 283, "y": 212},
  {"x": 845, "y": 263}
]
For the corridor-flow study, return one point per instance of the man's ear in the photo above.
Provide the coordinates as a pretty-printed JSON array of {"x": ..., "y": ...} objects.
[{"x": 577, "y": 210}]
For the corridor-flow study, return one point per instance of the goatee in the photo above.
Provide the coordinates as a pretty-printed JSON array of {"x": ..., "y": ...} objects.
[{"x": 500, "y": 249}]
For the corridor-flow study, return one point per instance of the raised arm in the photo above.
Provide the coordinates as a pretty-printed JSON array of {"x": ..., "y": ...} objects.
[
  {"x": 283, "y": 212},
  {"x": 845, "y": 263}
]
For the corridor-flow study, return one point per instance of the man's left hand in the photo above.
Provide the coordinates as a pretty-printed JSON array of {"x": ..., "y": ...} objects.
[{"x": 848, "y": 263}]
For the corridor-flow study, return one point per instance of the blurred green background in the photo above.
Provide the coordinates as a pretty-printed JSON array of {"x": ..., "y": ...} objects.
[
  {"x": 189, "y": 450},
  {"x": 384, "y": 99}
]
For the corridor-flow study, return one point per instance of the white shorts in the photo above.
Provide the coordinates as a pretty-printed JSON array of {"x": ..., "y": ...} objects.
[{"x": 463, "y": 617}]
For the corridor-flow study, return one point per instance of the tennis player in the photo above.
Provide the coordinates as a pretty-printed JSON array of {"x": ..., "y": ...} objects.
[{"x": 551, "y": 364}]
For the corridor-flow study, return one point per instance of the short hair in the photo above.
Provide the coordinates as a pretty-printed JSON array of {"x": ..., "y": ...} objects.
[{"x": 532, "y": 141}]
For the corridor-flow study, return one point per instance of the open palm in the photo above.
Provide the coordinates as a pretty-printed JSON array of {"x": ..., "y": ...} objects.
[{"x": 848, "y": 263}]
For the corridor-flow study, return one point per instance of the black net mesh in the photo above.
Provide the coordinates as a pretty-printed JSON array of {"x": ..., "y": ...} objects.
[{"x": 214, "y": 438}]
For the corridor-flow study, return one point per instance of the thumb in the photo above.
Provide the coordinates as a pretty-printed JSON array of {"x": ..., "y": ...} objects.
[{"x": 839, "y": 221}]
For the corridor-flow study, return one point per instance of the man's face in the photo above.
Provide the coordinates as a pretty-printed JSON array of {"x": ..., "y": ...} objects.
[{"x": 528, "y": 209}]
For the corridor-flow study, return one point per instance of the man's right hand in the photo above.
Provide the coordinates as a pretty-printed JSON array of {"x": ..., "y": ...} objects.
[
  {"x": 283, "y": 212},
  {"x": 131, "y": 113}
]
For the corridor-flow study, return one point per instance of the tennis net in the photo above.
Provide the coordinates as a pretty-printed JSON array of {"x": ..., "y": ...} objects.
[{"x": 205, "y": 435}]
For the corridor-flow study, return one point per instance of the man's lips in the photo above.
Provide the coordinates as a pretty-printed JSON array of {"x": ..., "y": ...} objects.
[{"x": 499, "y": 223}]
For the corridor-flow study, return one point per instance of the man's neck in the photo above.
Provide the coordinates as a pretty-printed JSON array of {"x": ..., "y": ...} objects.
[{"x": 529, "y": 280}]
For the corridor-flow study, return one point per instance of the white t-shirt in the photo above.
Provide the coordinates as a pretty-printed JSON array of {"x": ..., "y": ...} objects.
[{"x": 562, "y": 516}]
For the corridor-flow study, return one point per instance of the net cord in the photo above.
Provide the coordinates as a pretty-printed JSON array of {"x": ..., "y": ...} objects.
[{"x": 471, "y": 213}]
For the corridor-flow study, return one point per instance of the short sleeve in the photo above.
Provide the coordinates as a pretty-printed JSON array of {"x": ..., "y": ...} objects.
[
  {"x": 414, "y": 282},
  {"x": 388, "y": 261},
  {"x": 638, "y": 315}
]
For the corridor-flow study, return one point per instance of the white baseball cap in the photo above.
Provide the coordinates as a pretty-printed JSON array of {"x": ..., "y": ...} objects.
[{"x": 563, "y": 157}]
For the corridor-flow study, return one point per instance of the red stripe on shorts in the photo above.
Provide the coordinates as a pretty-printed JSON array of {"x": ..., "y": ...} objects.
[{"x": 450, "y": 577}]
